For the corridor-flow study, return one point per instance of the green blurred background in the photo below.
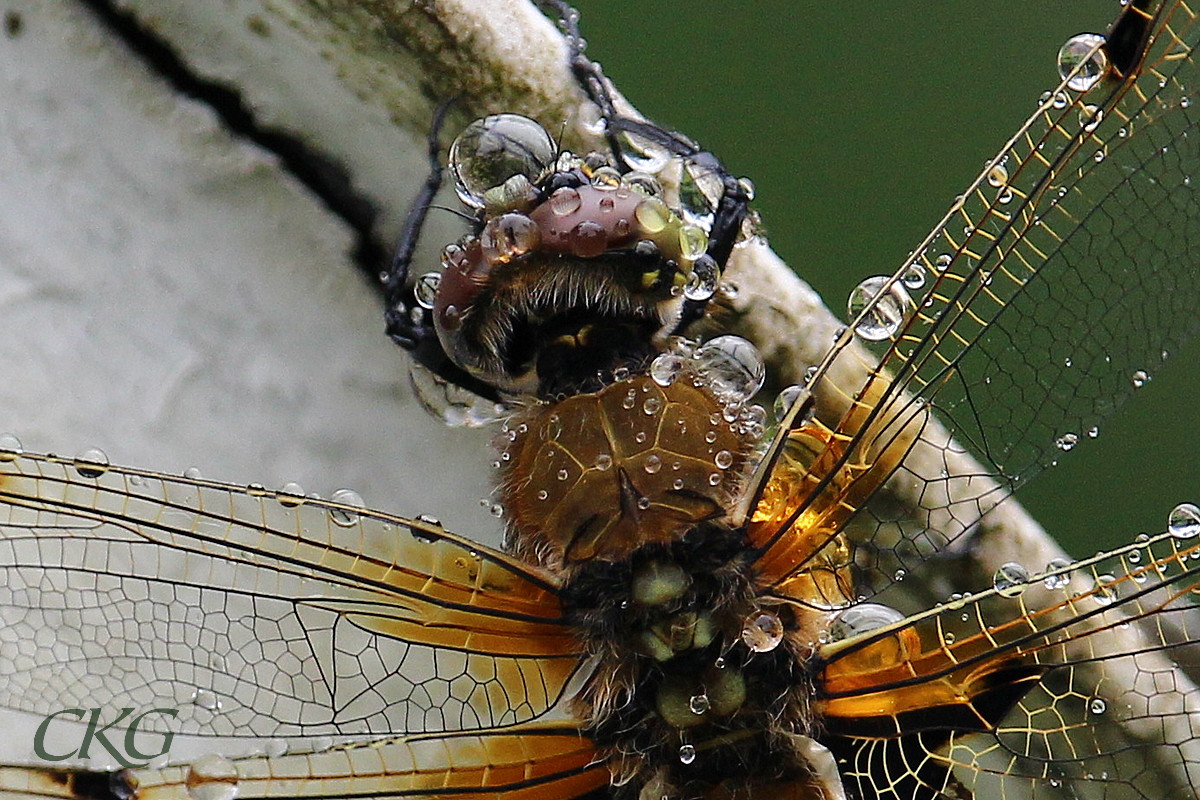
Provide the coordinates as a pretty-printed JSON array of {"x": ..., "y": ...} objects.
[{"x": 859, "y": 123}]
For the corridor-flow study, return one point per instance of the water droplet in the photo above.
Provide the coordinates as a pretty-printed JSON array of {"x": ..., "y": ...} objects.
[
  {"x": 1140, "y": 378},
  {"x": 900, "y": 575},
  {"x": 785, "y": 399},
  {"x": 883, "y": 308},
  {"x": 346, "y": 517},
  {"x": 212, "y": 777},
  {"x": 652, "y": 406},
  {"x": 1105, "y": 592},
  {"x": 948, "y": 637},
  {"x": 997, "y": 176},
  {"x": 762, "y": 631},
  {"x": 1098, "y": 705},
  {"x": 699, "y": 704},
  {"x": 913, "y": 276},
  {"x": 1078, "y": 52},
  {"x": 1059, "y": 581},
  {"x": 862, "y": 618},
  {"x": 942, "y": 262},
  {"x": 562, "y": 474},
  {"x": 606, "y": 177},
  {"x": 565, "y": 201},
  {"x": 508, "y": 237},
  {"x": 206, "y": 700},
  {"x": 496, "y": 148},
  {"x": 687, "y": 754},
  {"x": 702, "y": 282},
  {"x": 714, "y": 478},
  {"x": 1066, "y": 442},
  {"x": 1184, "y": 521},
  {"x": 426, "y": 288},
  {"x": 192, "y": 473},
  {"x": 666, "y": 368},
  {"x": 700, "y": 189},
  {"x": 603, "y": 462},
  {"x": 588, "y": 239},
  {"x": 723, "y": 459},
  {"x": 640, "y": 153},
  {"x": 91, "y": 463},
  {"x": 652, "y": 464},
  {"x": 731, "y": 367},
  {"x": 1010, "y": 580},
  {"x": 10, "y": 447},
  {"x": 290, "y": 495}
]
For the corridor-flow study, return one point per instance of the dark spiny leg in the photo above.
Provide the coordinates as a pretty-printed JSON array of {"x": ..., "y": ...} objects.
[
  {"x": 407, "y": 323},
  {"x": 403, "y": 329}
]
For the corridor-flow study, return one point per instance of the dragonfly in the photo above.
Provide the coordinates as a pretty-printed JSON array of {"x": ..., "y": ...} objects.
[{"x": 374, "y": 654}]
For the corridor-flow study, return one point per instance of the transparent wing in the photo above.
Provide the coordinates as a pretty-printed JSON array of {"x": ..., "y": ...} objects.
[
  {"x": 1051, "y": 291},
  {"x": 1057, "y": 686},
  {"x": 261, "y": 614},
  {"x": 531, "y": 763}
]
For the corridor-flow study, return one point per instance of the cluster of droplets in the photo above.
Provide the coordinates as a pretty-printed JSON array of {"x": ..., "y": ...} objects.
[{"x": 729, "y": 367}]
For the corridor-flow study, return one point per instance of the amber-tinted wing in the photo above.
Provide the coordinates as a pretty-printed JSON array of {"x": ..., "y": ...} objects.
[
  {"x": 1013, "y": 692},
  {"x": 261, "y": 614},
  {"x": 530, "y": 762},
  {"x": 1055, "y": 284}
]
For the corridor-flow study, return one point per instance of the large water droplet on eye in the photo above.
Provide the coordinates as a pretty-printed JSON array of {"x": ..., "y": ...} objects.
[
  {"x": 212, "y": 777},
  {"x": 492, "y": 150},
  {"x": 731, "y": 367},
  {"x": 1078, "y": 52},
  {"x": 1011, "y": 580},
  {"x": 1184, "y": 521},
  {"x": 885, "y": 307},
  {"x": 508, "y": 236},
  {"x": 91, "y": 463},
  {"x": 862, "y": 618}
]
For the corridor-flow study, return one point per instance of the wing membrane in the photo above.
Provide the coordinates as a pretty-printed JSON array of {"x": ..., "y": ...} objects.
[
  {"x": 526, "y": 763},
  {"x": 1056, "y": 285},
  {"x": 262, "y": 613},
  {"x": 1044, "y": 685}
]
